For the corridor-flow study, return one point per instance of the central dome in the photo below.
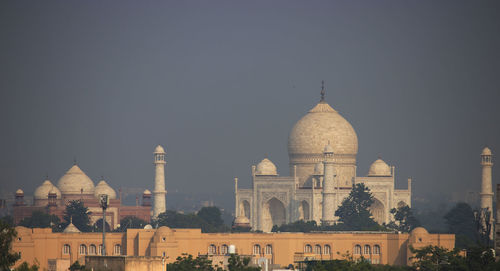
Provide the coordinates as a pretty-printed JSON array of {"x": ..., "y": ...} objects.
[
  {"x": 321, "y": 125},
  {"x": 75, "y": 181}
]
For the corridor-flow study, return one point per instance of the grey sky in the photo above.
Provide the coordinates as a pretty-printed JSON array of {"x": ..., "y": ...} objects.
[{"x": 220, "y": 84}]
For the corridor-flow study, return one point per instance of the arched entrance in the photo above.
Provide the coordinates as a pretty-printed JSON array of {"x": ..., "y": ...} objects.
[
  {"x": 377, "y": 210},
  {"x": 304, "y": 211},
  {"x": 274, "y": 213},
  {"x": 245, "y": 209}
]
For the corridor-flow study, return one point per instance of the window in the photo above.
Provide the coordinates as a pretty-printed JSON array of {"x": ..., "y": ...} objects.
[
  {"x": 376, "y": 261},
  {"x": 164, "y": 254},
  {"x": 100, "y": 250},
  {"x": 367, "y": 250},
  {"x": 269, "y": 249},
  {"x": 66, "y": 249},
  {"x": 163, "y": 239},
  {"x": 117, "y": 250},
  {"x": 308, "y": 249},
  {"x": 256, "y": 250},
  {"x": 357, "y": 249},
  {"x": 224, "y": 249},
  {"x": 92, "y": 250},
  {"x": 317, "y": 249},
  {"x": 327, "y": 250},
  {"x": 376, "y": 249},
  {"x": 83, "y": 249},
  {"x": 212, "y": 249}
]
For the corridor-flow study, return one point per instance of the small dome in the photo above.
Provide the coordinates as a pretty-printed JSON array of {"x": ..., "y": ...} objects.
[
  {"x": 419, "y": 231},
  {"x": 241, "y": 220},
  {"x": 42, "y": 192},
  {"x": 328, "y": 149},
  {"x": 319, "y": 169},
  {"x": 379, "y": 168},
  {"x": 266, "y": 167},
  {"x": 74, "y": 181},
  {"x": 103, "y": 188},
  {"x": 147, "y": 192},
  {"x": 71, "y": 228},
  {"x": 486, "y": 151},
  {"x": 19, "y": 191},
  {"x": 159, "y": 149}
]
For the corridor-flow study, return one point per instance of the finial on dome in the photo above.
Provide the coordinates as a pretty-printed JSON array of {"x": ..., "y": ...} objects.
[
  {"x": 74, "y": 161},
  {"x": 322, "y": 90}
]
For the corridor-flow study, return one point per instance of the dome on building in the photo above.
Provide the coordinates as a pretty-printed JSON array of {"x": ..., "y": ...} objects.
[
  {"x": 319, "y": 168},
  {"x": 147, "y": 192},
  {"x": 19, "y": 191},
  {"x": 322, "y": 124},
  {"x": 266, "y": 167},
  {"x": 419, "y": 230},
  {"x": 328, "y": 149},
  {"x": 241, "y": 220},
  {"x": 71, "y": 228},
  {"x": 159, "y": 149},
  {"x": 42, "y": 192},
  {"x": 379, "y": 168},
  {"x": 75, "y": 181},
  {"x": 486, "y": 151},
  {"x": 103, "y": 188}
]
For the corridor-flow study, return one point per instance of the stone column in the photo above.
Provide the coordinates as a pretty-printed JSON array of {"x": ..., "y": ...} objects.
[
  {"x": 328, "y": 217},
  {"x": 159, "y": 190}
]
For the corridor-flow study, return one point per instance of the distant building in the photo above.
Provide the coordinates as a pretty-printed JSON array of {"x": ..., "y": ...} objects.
[
  {"x": 278, "y": 248},
  {"x": 322, "y": 149},
  {"x": 76, "y": 185}
]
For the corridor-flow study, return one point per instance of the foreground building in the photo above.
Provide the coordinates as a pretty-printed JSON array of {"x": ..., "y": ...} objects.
[
  {"x": 322, "y": 149},
  {"x": 278, "y": 248}
]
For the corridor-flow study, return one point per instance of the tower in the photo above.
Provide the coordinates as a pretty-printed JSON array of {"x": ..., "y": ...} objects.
[
  {"x": 159, "y": 191},
  {"x": 486, "y": 190},
  {"x": 328, "y": 187}
]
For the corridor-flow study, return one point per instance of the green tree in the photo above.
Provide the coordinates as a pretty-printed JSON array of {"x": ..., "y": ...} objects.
[
  {"x": 437, "y": 258},
  {"x": 7, "y": 257},
  {"x": 98, "y": 226},
  {"x": 26, "y": 267},
  {"x": 460, "y": 221},
  {"x": 39, "y": 219},
  {"x": 76, "y": 266},
  {"x": 76, "y": 211},
  {"x": 131, "y": 222},
  {"x": 354, "y": 213},
  {"x": 237, "y": 263},
  {"x": 8, "y": 219},
  {"x": 297, "y": 226},
  {"x": 208, "y": 219},
  {"x": 405, "y": 220},
  {"x": 188, "y": 263}
]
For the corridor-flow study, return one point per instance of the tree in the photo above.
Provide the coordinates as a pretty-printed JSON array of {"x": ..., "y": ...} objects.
[
  {"x": 208, "y": 219},
  {"x": 188, "y": 263},
  {"x": 131, "y": 222},
  {"x": 98, "y": 226},
  {"x": 7, "y": 257},
  {"x": 76, "y": 211},
  {"x": 237, "y": 263},
  {"x": 405, "y": 220},
  {"x": 26, "y": 267},
  {"x": 297, "y": 226},
  {"x": 39, "y": 219},
  {"x": 460, "y": 221},
  {"x": 354, "y": 213},
  {"x": 76, "y": 266}
]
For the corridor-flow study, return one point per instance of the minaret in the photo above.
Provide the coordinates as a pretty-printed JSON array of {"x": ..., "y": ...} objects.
[
  {"x": 328, "y": 217},
  {"x": 159, "y": 191},
  {"x": 486, "y": 189}
]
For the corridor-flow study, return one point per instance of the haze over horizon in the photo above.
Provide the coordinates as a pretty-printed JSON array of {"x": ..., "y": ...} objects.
[{"x": 220, "y": 85}]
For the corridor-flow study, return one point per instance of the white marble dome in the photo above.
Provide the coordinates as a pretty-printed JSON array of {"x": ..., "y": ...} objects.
[
  {"x": 42, "y": 192},
  {"x": 147, "y": 192},
  {"x": 379, "y": 168},
  {"x": 159, "y": 149},
  {"x": 103, "y": 188},
  {"x": 322, "y": 124},
  {"x": 266, "y": 167},
  {"x": 74, "y": 181}
]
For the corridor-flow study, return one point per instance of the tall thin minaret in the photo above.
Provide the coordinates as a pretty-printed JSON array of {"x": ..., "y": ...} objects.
[
  {"x": 486, "y": 186},
  {"x": 328, "y": 217},
  {"x": 159, "y": 190}
]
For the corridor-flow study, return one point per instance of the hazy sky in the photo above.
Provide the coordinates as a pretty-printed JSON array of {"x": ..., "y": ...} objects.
[{"x": 220, "y": 84}]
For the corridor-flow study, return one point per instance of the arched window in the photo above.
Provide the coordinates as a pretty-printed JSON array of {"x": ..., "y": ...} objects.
[
  {"x": 83, "y": 249},
  {"x": 212, "y": 249},
  {"x": 269, "y": 249},
  {"x": 308, "y": 249},
  {"x": 367, "y": 250},
  {"x": 317, "y": 249},
  {"x": 118, "y": 249},
  {"x": 327, "y": 250},
  {"x": 357, "y": 249},
  {"x": 66, "y": 249},
  {"x": 256, "y": 250},
  {"x": 92, "y": 250},
  {"x": 224, "y": 249},
  {"x": 376, "y": 249}
]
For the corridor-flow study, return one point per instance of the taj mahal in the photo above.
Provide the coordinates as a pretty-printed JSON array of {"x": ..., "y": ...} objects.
[{"x": 322, "y": 149}]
